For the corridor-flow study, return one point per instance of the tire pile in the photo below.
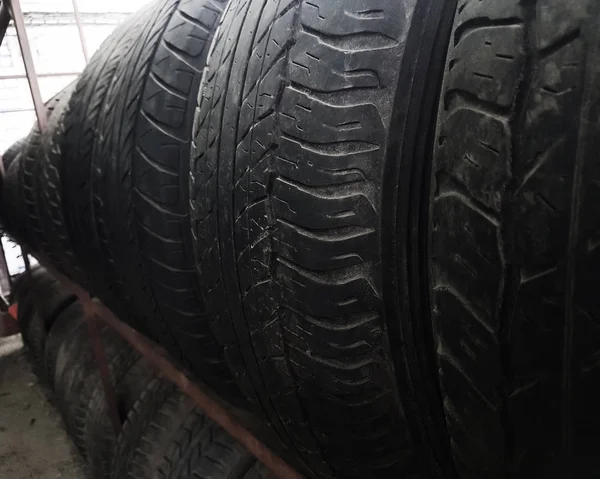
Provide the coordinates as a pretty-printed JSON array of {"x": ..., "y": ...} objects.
[
  {"x": 163, "y": 434},
  {"x": 369, "y": 222}
]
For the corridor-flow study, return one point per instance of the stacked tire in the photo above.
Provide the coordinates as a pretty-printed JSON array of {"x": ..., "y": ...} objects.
[
  {"x": 374, "y": 227},
  {"x": 161, "y": 431}
]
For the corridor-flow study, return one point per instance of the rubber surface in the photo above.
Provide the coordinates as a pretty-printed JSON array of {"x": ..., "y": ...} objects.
[
  {"x": 514, "y": 234},
  {"x": 120, "y": 357},
  {"x": 39, "y": 308},
  {"x": 167, "y": 436},
  {"x": 12, "y": 207},
  {"x": 140, "y": 185},
  {"x": 28, "y": 287},
  {"x": 79, "y": 141},
  {"x": 22, "y": 282},
  {"x": 99, "y": 436},
  {"x": 290, "y": 139},
  {"x": 137, "y": 423},
  {"x": 67, "y": 326},
  {"x": 47, "y": 185},
  {"x": 77, "y": 377},
  {"x": 30, "y": 209},
  {"x": 19, "y": 211},
  {"x": 12, "y": 151}
]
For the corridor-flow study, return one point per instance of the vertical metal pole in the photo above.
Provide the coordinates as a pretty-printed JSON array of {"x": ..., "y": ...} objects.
[
  {"x": 81, "y": 32},
  {"x": 17, "y": 15}
]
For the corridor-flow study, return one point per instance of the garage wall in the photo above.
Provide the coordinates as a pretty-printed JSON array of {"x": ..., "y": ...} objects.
[{"x": 56, "y": 49}]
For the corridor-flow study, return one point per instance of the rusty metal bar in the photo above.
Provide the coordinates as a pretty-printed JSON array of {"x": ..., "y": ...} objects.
[
  {"x": 159, "y": 359},
  {"x": 4, "y": 19},
  {"x": 80, "y": 30},
  {"x": 102, "y": 363},
  {"x": 17, "y": 15}
]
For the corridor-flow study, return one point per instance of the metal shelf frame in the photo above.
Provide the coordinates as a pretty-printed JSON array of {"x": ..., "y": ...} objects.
[{"x": 240, "y": 425}]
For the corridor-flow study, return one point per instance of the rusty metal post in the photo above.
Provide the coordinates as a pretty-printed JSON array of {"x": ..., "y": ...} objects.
[
  {"x": 80, "y": 30},
  {"x": 34, "y": 87}
]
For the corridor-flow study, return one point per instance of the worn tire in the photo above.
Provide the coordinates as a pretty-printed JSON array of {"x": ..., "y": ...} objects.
[
  {"x": 301, "y": 109},
  {"x": 513, "y": 228},
  {"x": 12, "y": 151},
  {"x": 47, "y": 185},
  {"x": 120, "y": 357},
  {"x": 39, "y": 308},
  {"x": 81, "y": 134},
  {"x": 66, "y": 327},
  {"x": 29, "y": 223},
  {"x": 225, "y": 458},
  {"x": 12, "y": 207},
  {"x": 77, "y": 377},
  {"x": 41, "y": 292},
  {"x": 143, "y": 177},
  {"x": 23, "y": 282},
  {"x": 168, "y": 436},
  {"x": 99, "y": 434},
  {"x": 137, "y": 423}
]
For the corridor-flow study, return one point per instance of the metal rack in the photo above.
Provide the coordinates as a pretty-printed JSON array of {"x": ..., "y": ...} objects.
[{"x": 239, "y": 424}]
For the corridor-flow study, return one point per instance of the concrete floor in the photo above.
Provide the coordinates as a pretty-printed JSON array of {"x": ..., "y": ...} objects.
[{"x": 33, "y": 443}]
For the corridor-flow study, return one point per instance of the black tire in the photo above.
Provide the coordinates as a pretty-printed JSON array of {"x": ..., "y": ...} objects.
[
  {"x": 66, "y": 328},
  {"x": 81, "y": 132},
  {"x": 120, "y": 357},
  {"x": 77, "y": 378},
  {"x": 143, "y": 161},
  {"x": 22, "y": 283},
  {"x": 11, "y": 153},
  {"x": 38, "y": 311},
  {"x": 513, "y": 229},
  {"x": 42, "y": 294},
  {"x": 225, "y": 458},
  {"x": 99, "y": 434},
  {"x": 12, "y": 208},
  {"x": 34, "y": 337},
  {"x": 170, "y": 436},
  {"x": 48, "y": 186},
  {"x": 29, "y": 222},
  {"x": 137, "y": 423},
  {"x": 258, "y": 471},
  {"x": 299, "y": 106}
]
